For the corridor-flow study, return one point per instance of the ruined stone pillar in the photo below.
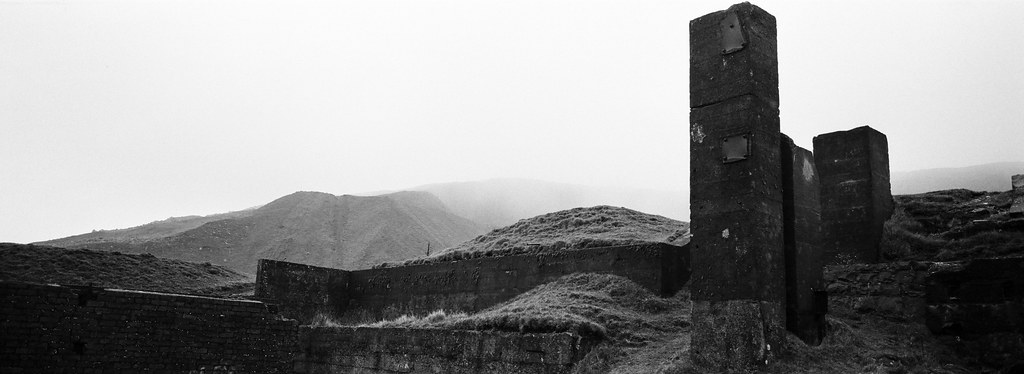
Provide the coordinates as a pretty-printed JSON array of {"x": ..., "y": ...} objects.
[
  {"x": 853, "y": 168},
  {"x": 1017, "y": 208},
  {"x": 806, "y": 301},
  {"x": 738, "y": 282}
]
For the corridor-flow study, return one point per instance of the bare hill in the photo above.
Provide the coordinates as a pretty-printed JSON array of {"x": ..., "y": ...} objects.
[
  {"x": 44, "y": 264},
  {"x": 598, "y": 226},
  {"x": 314, "y": 228},
  {"x": 149, "y": 231}
]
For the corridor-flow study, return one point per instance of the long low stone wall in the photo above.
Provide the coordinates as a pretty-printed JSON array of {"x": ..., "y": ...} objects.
[
  {"x": 893, "y": 290},
  {"x": 401, "y": 350},
  {"x": 468, "y": 285},
  {"x": 53, "y": 329}
]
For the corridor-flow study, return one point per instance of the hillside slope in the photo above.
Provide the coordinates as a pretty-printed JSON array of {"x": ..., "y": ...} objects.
[
  {"x": 598, "y": 226},
  {"x": 314, "y": 228},
  {"x": 953, "y": 225},
  {"x": 44, "y": 264},
  {"x": 150, "y": 231}
]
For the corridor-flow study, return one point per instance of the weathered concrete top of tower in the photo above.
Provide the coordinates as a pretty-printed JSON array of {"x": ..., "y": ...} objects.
[
  {"x": 733, "y": 53},
  {"x": 853, "y": 131}
]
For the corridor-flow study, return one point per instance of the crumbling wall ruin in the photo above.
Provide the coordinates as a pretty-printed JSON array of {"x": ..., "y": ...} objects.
[
  {"x": 467, "y": 285},
  {"x": 51, "y": 329},
  {"x": 405, "y": 350}
]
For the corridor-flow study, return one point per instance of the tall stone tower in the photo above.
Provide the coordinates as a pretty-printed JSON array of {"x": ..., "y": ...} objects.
[
  {"x": 856, "y": 201},
  {"x": 738, "y": 276}
]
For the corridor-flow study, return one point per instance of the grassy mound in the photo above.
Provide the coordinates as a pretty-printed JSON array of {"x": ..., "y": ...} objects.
[
  {"x": 578, "y": 228},
  {"x": 605, "y": 305},
  {"x": 43, "y": 264},
  {"x": 952, "y": 225}
]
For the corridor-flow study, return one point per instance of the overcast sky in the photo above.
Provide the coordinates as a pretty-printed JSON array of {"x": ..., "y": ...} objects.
[{"x": 118, "y": 113}]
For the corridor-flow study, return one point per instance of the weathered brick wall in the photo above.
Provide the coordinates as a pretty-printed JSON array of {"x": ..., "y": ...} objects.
[
  {"x": 467, "y": 285},
  {"x": 977, "y": 307},
  {"x": 472, "y": 285},
  {"x": 400, "y": 350},
  {"x": 302, "y": 291},
  {"x": 51, "y": 329},
  {"x": 893, "y": 290}
]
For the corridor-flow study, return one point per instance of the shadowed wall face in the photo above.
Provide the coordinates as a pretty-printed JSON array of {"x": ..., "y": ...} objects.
[
  {"x": 806, "y": 301},
  {"x": 304, "y": 291},
  {"x": 738, "y": 287},
  {"x": 853, "y": 167}
]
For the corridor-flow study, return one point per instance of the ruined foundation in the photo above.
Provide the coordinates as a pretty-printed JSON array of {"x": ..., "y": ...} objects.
[
  {"x": 738, "y": 288},
  {"x": 853, "y": 167}
]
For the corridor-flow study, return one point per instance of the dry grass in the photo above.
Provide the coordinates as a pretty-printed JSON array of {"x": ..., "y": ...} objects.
[{"x": 952, "y": 225}]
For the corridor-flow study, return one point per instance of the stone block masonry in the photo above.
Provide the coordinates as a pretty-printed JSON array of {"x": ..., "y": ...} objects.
[
  {"x": 401, "y": 350},
  {"x": 853, "y": 167},
  {"x": 302, "y": 291},
  {"x": 806, "y": 300},
  {"x": 58, "y": 329},
  {"x": 467, "y": 285},
  {"x": 738, "y": 282},
  {"x": 1018, "y": 195}
]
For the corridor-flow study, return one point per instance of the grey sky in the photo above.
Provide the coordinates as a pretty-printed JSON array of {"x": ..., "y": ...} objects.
[{"x": 117, "y": 113}]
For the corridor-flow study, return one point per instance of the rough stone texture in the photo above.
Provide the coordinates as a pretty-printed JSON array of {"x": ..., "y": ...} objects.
[
  {"x": 806, "y": 302},
  {"x": 753, "y": 70},
  {"x": 467, "y": 285},
  {"x": 736, "y": 335},
  {"x": 1018, "y": 192},
  {"x": 894, "y": 290},
  {"x": 853, "y": 167},
  {"x": 51, "y": 329},
  {"x": 738, "y": 287},
  {"x": 978, "y": 307},
  {"x": 302, "y": 291},
  {"x": 400, "y": 350}
]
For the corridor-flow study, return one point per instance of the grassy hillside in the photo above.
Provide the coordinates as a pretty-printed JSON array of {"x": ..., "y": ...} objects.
[
  {"x": 314, "y": 228},
  {"x": 577, "y": 228},
  {"x": 953, "y": 225},
  {"x": 44, "y": 264}
]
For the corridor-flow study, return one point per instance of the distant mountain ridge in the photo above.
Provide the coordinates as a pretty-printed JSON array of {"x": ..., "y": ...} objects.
[
  {"x": 315, "y": 228},
  {"x": 994, "y": 177}
]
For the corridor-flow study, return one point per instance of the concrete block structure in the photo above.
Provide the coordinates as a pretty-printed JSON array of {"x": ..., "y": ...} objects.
[
  {"x": 738, "y": 282},
  {"x": 853, "y": 168},
  {"x": 806, "y": 301},
  {"x": 1018, "y": 195}
]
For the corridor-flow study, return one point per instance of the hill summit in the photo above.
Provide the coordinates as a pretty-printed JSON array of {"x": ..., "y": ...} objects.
[
  {"x": 591, "y": 227},
  {"x": 313, "y": 228}
]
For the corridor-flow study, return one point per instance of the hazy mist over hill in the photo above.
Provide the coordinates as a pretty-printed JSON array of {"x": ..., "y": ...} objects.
[
  {"x": 988, "y": 177},
  {"x": 501, "y": 202}
]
